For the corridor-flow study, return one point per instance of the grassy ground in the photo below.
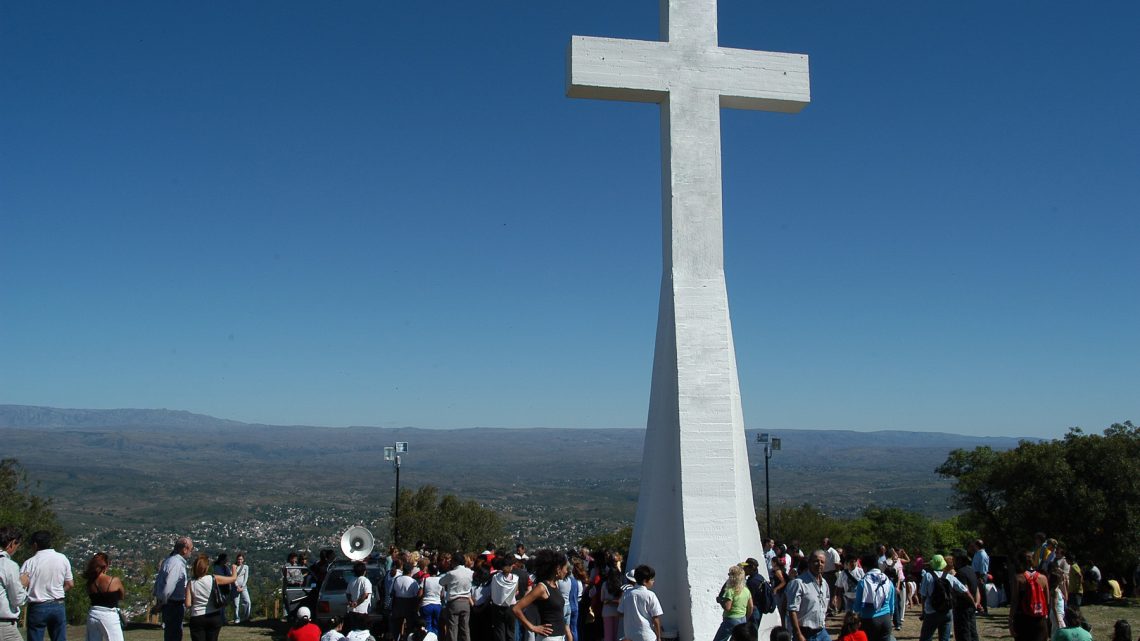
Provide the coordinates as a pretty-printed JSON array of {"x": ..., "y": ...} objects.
[{"x": 1102, "y": 618}]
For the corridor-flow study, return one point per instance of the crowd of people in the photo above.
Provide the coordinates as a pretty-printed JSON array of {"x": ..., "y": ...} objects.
[
  {"x": 872, "y": 591},
  {"x": 515, "y": 597},
  {"x": 423, "y": 595},
  {"x": 495, "y": 596}
]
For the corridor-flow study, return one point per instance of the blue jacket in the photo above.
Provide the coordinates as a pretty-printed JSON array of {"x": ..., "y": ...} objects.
[{"x": 875, "y": 582}]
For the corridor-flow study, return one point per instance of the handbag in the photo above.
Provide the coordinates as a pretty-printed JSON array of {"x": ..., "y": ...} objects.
[{"x": 217, "y": 601}]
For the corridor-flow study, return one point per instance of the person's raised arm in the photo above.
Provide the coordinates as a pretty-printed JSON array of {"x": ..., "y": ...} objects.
[{"x": 222, "y": 579}]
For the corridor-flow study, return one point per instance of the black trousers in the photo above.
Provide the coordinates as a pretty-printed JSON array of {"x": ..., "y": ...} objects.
[
  {"x": 502, "y": 622},
  {"x": 965, "y": 624}
]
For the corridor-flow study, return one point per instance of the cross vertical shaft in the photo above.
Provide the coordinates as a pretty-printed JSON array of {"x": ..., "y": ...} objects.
[{"x": 695, "y": 512}]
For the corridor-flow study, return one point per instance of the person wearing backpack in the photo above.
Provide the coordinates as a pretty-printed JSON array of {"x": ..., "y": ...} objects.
[
  {"x": 874, "y": 601},
  {"x": 937, "y": 591},
  {"x": 1028, "y": 601},
  {"x": 763, "y": 597}
]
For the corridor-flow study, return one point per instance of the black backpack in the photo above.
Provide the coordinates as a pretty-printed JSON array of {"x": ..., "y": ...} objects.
[
  {"x": 763, "y": 596},
  {"x": 941, "y": 597}
]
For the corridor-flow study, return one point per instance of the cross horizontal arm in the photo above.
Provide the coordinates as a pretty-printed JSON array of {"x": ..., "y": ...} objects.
[
  {"x": 616, "y": 69},
  {"x": 645, "y": 71}
]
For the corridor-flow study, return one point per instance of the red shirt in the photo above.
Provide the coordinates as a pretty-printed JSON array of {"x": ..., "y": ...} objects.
[
  {"x": 310, "y": 632},
  {"x": 857, "y": 635}
]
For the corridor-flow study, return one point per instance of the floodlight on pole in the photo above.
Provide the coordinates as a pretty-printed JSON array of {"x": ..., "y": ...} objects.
[
  {"x": 770, "y": 444},
  {"x": 392, "y": 453}
]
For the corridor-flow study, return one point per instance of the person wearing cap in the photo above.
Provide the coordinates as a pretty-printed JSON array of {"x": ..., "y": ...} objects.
[
  {"x": 808, "y": 597},
  {"x": 753, "y": 580},
  {"x": 933, "y": 620},
  {"x": 12, "y": 592},
  {"x": 303, "y": 627}
]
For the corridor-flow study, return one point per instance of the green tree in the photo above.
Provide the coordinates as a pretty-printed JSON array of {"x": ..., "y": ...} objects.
[
  {"x": 1080, "y": 489},
  {"x": 446, "y": 523},
  {"x": 618, "y": 540},
  {"x": 805, "y": 524},
  {"x": 21, "y": 508}
]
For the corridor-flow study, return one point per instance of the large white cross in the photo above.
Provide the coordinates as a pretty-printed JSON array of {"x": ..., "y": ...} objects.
[{"x": 695, "y": 513}]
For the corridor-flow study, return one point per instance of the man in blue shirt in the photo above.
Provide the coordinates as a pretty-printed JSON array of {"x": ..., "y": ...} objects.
[
  {"x": 170, "y": 589},
  {"x": 933, "y": 618},
  {"x": 980, "y": 561}
]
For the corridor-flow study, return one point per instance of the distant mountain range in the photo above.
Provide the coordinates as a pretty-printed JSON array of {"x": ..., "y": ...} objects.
[{"x": 142, "y": 467}]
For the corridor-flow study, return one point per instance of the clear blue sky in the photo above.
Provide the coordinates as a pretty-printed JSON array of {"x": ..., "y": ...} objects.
[{"x": 388, "y": 213}]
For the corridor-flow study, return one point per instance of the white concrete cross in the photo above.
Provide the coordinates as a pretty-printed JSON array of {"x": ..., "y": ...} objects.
[{"x": 695, "y": 513}]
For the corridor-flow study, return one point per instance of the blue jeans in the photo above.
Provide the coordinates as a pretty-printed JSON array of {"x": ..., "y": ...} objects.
[
  {"x": 430, "y": 614},
  {"x": 932, "y": 621},
  {"x": 172, "y": 614},
  {"x": 724, "y": 632},
  {"x": 49, "y": 616}
]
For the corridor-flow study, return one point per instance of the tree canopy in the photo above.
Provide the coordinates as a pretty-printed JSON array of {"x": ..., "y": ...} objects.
[
  {"x": 21, "y": 508},
  {"x": 891, "y": 526},
  {"x": 445, "y": 523},
  {"x": 1081, "y": 490}
]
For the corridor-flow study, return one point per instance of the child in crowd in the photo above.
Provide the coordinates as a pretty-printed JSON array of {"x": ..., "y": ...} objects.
[
  {"x": 851, "y": 630},
  {"x": 640, "y": 609},
  {"x": 334, "y": 631},
  {"x": 780, "y": 633},
  {"x": 1122, "y": 630}
]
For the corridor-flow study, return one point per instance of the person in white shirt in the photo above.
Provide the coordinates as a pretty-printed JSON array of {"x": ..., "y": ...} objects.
[
  {"x": 831, "y": 566},
  {"x": 504, "y": 593},
  {"x": 242, "y": 602},
  {"x": 12, "y": 592},
  {"x": 640, "y": 608},
  {"x": 48, "y": 577},
  {"x": 457, "y": 582},
  {"x": 359, "y": 597},
  {"x": 808, "y": 597},
  {"x": 431, "y": 600},
  {"x": 335, "y": 632},
  {"x": 405, "y": 601}
]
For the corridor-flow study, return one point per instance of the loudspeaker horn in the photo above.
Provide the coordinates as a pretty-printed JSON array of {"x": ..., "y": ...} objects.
[{"x": 356, "y": 543}]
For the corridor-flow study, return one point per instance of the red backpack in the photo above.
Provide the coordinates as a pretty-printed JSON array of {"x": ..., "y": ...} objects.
[{"x": 1033, "y": 600}]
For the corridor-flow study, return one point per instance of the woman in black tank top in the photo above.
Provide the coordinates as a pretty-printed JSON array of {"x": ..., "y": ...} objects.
[
  {"x": 105, "y": 592},
  {"x": 549, "y": 568}
]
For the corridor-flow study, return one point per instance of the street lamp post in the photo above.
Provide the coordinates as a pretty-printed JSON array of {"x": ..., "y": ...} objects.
[
  {"x": 393, "y": 454},
  {"x": 770, "y": 444}
]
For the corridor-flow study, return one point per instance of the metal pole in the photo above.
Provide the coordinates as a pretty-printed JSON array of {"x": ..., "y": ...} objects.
[
  {"x": 396, "y": 523},
  {"x": 767, "y": 491}
]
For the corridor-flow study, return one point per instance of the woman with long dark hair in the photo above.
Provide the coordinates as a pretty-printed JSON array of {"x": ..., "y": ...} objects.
[
  {"x": 549, "y": 568},
  {"x": 105, "y": 592},
  {"x": 611, "y": 586}
]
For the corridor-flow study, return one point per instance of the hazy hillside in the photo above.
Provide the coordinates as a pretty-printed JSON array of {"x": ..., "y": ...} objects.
[{"x": 139, "y": 468}]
